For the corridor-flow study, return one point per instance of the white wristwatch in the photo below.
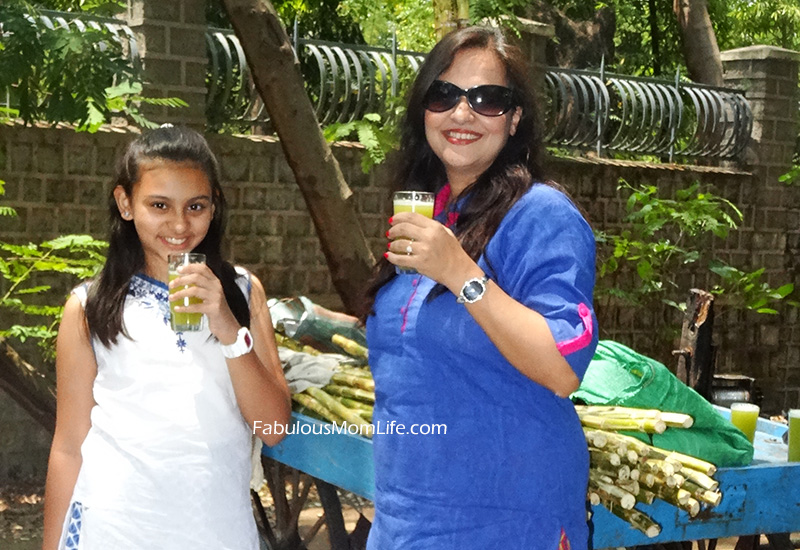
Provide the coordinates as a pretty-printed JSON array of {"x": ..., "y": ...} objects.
[{"x": 242, "y": 345}]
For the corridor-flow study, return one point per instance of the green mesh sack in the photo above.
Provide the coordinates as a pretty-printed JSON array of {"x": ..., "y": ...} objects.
[{"x": 617, "y": 375}]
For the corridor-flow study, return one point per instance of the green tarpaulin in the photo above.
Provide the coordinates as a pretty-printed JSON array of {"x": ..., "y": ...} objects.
[{"x": 617, "y": 375}]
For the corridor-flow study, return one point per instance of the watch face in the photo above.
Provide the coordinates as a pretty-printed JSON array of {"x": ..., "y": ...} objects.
[{"x": 473, "y": 290}]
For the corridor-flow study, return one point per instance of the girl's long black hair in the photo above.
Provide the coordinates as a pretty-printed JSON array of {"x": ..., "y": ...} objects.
[
  {"x": 107, "y": 294},
  {"x": 516, "y": 168}
]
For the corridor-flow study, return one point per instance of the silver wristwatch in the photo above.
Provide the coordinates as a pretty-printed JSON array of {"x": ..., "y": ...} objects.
[
  {"x": 242, "y": 345},
  {"x": 473, "y": 290}
]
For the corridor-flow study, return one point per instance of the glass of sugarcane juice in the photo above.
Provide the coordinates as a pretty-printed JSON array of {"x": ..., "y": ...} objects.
[
  {"x": 182, "y": 321},
  {"x": 420, "y": 202},
  {"x": 745, "y": 416},
  {"x": 794, "y": 435}
]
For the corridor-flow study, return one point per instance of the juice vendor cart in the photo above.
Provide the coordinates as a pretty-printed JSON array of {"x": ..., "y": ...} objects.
[{"x": 762, "y": 498}]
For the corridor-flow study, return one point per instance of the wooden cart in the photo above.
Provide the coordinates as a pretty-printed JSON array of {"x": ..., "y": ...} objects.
[{"x": 763, "y": 498}]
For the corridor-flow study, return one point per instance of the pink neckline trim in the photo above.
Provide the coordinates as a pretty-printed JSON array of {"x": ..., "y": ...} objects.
[{"x": 441, "y": 201}]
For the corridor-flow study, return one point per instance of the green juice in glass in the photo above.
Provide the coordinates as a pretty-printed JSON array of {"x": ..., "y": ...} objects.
[
  {"x": 745, "y": 416},
  {"x": 420, "y": 202},
  {"x": 794, "y": 435},
  {"x": 422, "y": 208},
  {"x": 182, "y": 321}
]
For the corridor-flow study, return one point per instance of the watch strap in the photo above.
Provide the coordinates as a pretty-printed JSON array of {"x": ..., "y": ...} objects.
[{"x": 242, "y": 345}]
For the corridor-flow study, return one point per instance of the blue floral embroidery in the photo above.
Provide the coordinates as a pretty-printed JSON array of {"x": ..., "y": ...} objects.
[
  {"x": 73, "y": 529},
  {"x": 152, "y": 294},
  {"x": 181, "y": 342}
]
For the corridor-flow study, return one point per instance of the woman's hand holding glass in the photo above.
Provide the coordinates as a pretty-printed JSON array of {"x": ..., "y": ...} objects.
[
  {"x": 431, "y": 248},
  {"x": 203, "y": 284}
]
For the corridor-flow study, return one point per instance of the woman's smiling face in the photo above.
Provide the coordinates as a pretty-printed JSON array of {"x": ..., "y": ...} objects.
[{"x": 468, "y": 143}]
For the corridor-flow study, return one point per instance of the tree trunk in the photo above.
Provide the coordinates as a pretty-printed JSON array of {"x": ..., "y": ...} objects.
[
  {"x": 35, "y": 392},
  {"x": 277, "y": 78},
  {"x": 700, "y": 48},
  {"x": 449, "y": 15},
  {"x": 655, "y": 36}
]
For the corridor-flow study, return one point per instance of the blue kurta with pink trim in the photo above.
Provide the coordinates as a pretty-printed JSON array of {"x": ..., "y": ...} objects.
[{"x": 512, "y": 468}]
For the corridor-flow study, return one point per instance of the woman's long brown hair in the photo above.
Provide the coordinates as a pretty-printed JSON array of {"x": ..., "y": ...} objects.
[{"x": 513, "y": 172}]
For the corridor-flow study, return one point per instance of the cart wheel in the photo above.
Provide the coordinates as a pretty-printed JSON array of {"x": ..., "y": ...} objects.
[
  {"x": 288, "y": 489},
  {"x": 339, "y": 538}
]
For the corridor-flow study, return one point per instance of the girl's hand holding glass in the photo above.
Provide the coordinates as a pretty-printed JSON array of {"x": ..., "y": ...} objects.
[{"x": 201, "y": 283}]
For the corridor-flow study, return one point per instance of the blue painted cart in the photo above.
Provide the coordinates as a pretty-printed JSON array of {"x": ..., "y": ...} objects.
[{"x": 762, "y": 498}]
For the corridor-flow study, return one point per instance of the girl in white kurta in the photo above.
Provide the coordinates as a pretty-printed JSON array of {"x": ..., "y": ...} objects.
[{"x": 153, "y": 433}]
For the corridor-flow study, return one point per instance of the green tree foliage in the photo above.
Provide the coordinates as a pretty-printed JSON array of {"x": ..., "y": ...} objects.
[
  {"x": 664, "y": 239},
  {"x": 319, "y": 19},
  {"x": 771, "y": 22},
  {"x": 24, "y": 270},
  {"x": 65, "y": 74}
]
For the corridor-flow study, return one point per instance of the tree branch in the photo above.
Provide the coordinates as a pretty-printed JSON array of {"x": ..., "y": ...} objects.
[{"x": 277, "y": 77}]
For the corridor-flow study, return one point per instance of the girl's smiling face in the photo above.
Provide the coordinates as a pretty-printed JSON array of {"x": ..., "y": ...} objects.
[
  {"x": 171, "y": 207},
  {"x": 466, "y": 142}
]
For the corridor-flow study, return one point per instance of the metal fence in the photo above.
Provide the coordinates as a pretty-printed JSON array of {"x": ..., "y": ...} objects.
[
  {"x": 644, "y": 116},
  {"x": 585, "y": 110},
  {"x": 344, "y": 81}
]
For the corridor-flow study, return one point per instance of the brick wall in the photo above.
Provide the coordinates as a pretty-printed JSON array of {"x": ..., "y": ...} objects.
[{"x": 58, "y": 180}]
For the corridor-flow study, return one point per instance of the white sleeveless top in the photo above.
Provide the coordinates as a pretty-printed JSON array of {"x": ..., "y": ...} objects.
[{"x": 166, "y": 462}]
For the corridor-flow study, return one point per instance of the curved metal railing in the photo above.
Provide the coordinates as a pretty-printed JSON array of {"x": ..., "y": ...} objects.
[
  {"x": 596, "y": 110},
  {"x": 644, "y": 116},
  {"x": 344, "y": 81}
]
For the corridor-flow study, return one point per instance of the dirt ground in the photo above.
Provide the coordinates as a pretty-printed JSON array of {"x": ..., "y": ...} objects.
[{"x": 21, "y": 517}]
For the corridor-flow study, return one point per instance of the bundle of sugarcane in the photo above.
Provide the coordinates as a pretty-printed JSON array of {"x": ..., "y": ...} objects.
[
  {"x": 625, "y": 471},
  {"x": 347, "y": 398},
  {"x": 627, "y": 418}
]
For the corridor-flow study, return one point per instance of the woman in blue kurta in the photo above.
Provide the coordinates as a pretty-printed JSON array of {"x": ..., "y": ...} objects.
[{"x": 492, "y": 334}]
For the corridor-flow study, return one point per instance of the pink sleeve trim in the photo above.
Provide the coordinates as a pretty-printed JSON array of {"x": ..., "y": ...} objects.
[{"x": 582, "y": 340}]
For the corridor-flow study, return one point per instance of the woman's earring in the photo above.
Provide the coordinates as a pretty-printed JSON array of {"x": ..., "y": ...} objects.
[{"x": 126, "y": 214}]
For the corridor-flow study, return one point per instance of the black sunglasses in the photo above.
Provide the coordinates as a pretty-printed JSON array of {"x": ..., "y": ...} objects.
[{"x": 486, "y": 100}]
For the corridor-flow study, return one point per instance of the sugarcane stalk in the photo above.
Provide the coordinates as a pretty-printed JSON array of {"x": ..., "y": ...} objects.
[
  {"x": 366, "y": 415},
  {"x": 691, "y": 506},
  {"x": 608, "y": 491},
  {"x": 692, "y": 462},
  {"x": 636, "y": 473},
  {"x": 700, "y": 479},
  {"x": 646, "y": 497},
  {"x": 711, "y": 498},
  {"x": 313, "y": 405},
  {"x": 601, "y": 458},
  {"x": 613, "y": 411},
  {"x": 647, "y": 425},
  {"x": 641, "y": 448},
  {"x": 343, "y": 379},
  {"x": 351, "y": 393},
  {"x": 353, "y": 404},
  {"x": 673, "y": 495},
  {"x": 677, "y": 420},
  {"x": 349, "y": 415},
  {"x": 355, "y": 371},
  {"x": 594, "y": 498},
  {"x": 596, "y": 438},
  {"x": 350, "y": 347},
  {"x": 667, "y": 467},
  {"x": 636, "y": 519},
  {"x": 631, "y": 486}
]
